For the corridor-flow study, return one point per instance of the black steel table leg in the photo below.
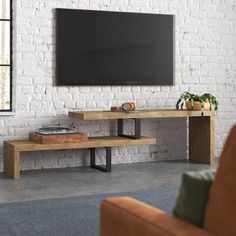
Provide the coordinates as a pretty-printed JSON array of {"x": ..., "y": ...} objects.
[
  {"x": 137, "y": 124},
  {"x": 108, "y": 159},
  {"x": 120, "y": 127},
  {"x": 92, "y": 157},
  {"x": 137, "y": 129},
  {"x": 107, "y": 167}
]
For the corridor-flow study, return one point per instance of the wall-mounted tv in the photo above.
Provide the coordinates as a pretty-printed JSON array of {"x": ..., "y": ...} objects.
[{"x": 114, "y": 48}]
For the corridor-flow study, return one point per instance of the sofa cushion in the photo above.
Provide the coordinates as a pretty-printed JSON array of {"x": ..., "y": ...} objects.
[
  {"x": 193, "y": 196},
  {"x": 220, "y": 215}
]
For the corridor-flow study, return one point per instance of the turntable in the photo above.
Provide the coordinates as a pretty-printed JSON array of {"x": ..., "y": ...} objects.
[
  {"x": 58, "y": 134},
  {"x": 57, "y": 129}
]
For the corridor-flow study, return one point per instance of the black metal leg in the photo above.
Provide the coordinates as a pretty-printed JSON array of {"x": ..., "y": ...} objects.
[
  {"x": 137, "y": 129},
  {"x": 137, "y": 124},
  {"x": 120, "y": 127},
  {"x": 107, "y": 167},
  {"x": 108, "y": 159},
  {"x": 92, "y": 157}
]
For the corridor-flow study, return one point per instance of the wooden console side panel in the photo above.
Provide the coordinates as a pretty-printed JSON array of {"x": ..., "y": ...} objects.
[
  {"x": 202, "y": 139},
  {"x": 11, "y": 161}
]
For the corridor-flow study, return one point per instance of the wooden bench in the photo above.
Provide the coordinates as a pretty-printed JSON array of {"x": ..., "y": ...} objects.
[{"x": 13, "y": 149}]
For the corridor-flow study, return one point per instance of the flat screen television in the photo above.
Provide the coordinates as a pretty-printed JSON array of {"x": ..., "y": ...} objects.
[{"x": 113, "y": 48}]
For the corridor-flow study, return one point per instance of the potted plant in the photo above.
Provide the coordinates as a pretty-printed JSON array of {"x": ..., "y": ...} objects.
[{"x": 204, "y": 102}]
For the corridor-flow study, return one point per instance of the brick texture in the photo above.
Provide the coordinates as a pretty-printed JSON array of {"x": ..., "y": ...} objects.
[{"x": 205, "y": 61}]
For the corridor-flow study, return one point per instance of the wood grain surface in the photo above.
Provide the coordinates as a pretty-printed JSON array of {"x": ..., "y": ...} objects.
[
  {"x": 58, "y": 138},
  {"x": 92, "y": 142},
  {"x": 157, "y": 113}
]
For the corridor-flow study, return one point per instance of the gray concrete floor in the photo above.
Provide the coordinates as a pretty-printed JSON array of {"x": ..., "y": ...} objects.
[{"x": 56, "y": 183}]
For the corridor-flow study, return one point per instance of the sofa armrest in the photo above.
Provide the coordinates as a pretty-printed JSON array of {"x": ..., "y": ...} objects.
[{"x": 121, "y": 216}]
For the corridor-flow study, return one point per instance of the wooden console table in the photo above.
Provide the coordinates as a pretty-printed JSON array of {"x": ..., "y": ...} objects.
[
  {"x": 201, "y": 138},
  {"x": 13, "y": 149},
  {"x": 201, "y": 128}
]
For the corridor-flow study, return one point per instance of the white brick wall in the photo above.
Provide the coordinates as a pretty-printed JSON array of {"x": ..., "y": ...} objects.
[{"x": 205, "y": 62}]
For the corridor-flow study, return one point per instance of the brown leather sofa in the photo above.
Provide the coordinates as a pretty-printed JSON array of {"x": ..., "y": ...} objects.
[{"x": 124, "y": 216}]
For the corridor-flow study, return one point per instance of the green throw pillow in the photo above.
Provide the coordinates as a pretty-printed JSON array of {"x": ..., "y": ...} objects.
[{"x": 193, "y": 196}]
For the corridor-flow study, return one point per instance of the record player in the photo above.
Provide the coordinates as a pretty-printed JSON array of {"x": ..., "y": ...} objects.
[
  {"x": 57, "y": 129},
  {"x": 58, "y": 134}
]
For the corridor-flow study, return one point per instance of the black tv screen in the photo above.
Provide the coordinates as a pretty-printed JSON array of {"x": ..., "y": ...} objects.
[{"x": 114, "y": 48}]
